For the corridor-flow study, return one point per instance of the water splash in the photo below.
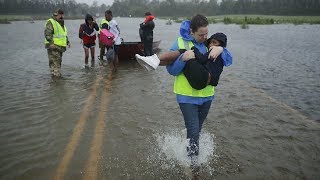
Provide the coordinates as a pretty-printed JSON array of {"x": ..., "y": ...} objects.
[{"x": 173, "y": 146}]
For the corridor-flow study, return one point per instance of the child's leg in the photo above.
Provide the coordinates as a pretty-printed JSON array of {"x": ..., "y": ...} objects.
[
  {"x": 92, "y": 49},
  {"x": 152, "y": 62},
  {"x": 102, "y": 51},
  {"x": 168, "y": 57},
  {"x": 86, "y": 55}
]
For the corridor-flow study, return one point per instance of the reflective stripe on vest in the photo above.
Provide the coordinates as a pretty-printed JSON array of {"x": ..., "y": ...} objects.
[
  {"x": 59, "y": 34},
  {"x": 103, "y": 21},
  {"x": 181, "y": 84}
]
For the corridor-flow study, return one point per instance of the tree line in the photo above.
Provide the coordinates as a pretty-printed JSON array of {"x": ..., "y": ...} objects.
[{"x": 167, "y": 8}]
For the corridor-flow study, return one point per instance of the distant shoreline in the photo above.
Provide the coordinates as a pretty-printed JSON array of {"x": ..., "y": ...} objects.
[{"x": 7, "y": 19}]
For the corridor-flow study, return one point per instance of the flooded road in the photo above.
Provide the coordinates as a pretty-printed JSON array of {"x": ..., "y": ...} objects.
[{"x": 96, "y": 125}]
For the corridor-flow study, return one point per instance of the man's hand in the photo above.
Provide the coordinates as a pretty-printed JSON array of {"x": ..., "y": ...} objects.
[
  {"x": 69, "y": 45},
  {"x": 52, "y": 46},
  {"x": 189, "y": 54},
  {"x": 215, "y": 51}
]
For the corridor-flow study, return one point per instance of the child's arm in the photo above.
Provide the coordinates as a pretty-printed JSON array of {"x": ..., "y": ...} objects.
[
  {"x": 95, "y": 26},
  {"x": 201, "y": 58},
  {"x": 215, "y": 51},
  {"x": 226, "y": 57},
  {"x": 80, "y": 32}
]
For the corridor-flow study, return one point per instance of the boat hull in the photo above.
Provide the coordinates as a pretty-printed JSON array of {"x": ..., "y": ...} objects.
[{"x": 127, "y": 50}]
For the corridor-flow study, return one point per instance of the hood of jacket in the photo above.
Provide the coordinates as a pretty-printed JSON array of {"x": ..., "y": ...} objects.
[
  {"x": 88, "y": 16},
  {"x": 149, "y": 18},
  {"x": 185, "y": 30},
  {"x": 86, "y": 28},
  {"x": 222, "y": 38}
]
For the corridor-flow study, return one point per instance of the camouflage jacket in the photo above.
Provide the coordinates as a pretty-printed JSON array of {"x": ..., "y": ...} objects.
[{"x": 48, "y": 34}]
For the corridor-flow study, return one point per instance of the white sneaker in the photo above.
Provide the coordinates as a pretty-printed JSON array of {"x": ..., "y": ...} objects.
[{"x": 148, "y": 62}]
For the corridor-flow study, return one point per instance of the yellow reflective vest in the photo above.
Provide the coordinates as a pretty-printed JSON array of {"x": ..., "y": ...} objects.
[
  {"x": 103, "y": 21},
  {"x": 59, "y": 34},
  {"x": 181, "y": 84}
]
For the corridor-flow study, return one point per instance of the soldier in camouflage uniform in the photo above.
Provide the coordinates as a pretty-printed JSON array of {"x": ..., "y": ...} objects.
[{"x": 56, "y": 41}]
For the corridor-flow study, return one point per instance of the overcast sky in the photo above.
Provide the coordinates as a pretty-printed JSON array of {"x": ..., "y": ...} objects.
[{"x": 106, "y": 2}]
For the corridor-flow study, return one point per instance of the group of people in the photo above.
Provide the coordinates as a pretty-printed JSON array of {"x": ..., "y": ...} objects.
[
  {"x": 56, "y": 39},
  {"x": 195, "y": 60}
]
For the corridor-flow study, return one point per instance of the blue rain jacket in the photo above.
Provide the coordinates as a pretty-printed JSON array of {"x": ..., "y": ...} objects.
[{"x": 177, "y": 67}]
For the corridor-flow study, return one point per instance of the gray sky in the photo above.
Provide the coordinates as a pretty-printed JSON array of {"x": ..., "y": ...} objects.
[{"x": 106, "y": 2}]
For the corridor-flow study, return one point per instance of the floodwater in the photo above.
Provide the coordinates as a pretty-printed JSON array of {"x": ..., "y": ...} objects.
[{"x": 93, "y": 124}]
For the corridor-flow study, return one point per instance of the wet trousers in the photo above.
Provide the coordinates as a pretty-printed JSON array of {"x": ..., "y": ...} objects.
[
  {"x": 55, "y": 59},
  {"x": 194, "y": 116},
  {"x": 148, "y": 48}
]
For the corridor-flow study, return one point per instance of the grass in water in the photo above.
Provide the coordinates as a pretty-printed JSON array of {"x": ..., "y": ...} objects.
[{"x": 258, "y": 19}]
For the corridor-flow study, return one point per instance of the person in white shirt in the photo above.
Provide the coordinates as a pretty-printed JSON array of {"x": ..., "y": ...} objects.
[{"x": 115, "y": 30}]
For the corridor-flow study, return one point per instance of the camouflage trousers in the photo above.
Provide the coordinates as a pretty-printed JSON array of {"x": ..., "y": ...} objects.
[{"x": 55, "y": 59}]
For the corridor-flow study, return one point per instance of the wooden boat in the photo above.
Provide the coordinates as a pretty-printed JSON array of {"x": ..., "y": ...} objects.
[{"x": 127, "y": 50}]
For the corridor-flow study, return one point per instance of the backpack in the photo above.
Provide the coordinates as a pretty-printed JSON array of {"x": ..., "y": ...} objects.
[{"x": 106, "y": 37}]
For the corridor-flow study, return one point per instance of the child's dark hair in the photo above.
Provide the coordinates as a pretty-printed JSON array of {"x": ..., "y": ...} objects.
[{"x": 198, "y": 21}]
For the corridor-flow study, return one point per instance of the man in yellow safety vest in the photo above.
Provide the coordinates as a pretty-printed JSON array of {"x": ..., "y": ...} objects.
[{"x": 56, "y": 41}]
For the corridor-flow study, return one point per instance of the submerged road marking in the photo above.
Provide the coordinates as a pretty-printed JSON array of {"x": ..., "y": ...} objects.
[
  {"x": 263, "y": 93},
  {"x": 77, "y": 131},
  {"x": 282, "y": 104},
  {"x": 96, "y": 146}
]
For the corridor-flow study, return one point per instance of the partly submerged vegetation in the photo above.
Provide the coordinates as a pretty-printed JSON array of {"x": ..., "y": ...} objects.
[
  {"x": 245, "y": 20},
  {"x": 6, "y": 19},
  {"x": 264, "y": 19}
]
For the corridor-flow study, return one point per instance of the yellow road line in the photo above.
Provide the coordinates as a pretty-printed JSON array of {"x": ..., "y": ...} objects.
[
  {"x": 284, "y": 105},
  {"x": 95, "y": 153},
  {"x": 77, "y": 131}
]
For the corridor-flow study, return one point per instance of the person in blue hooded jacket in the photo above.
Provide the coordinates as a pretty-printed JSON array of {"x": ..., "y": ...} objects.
[
  {"x": 194, "y": 104},
  {"x": 200, "y": 71}
]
